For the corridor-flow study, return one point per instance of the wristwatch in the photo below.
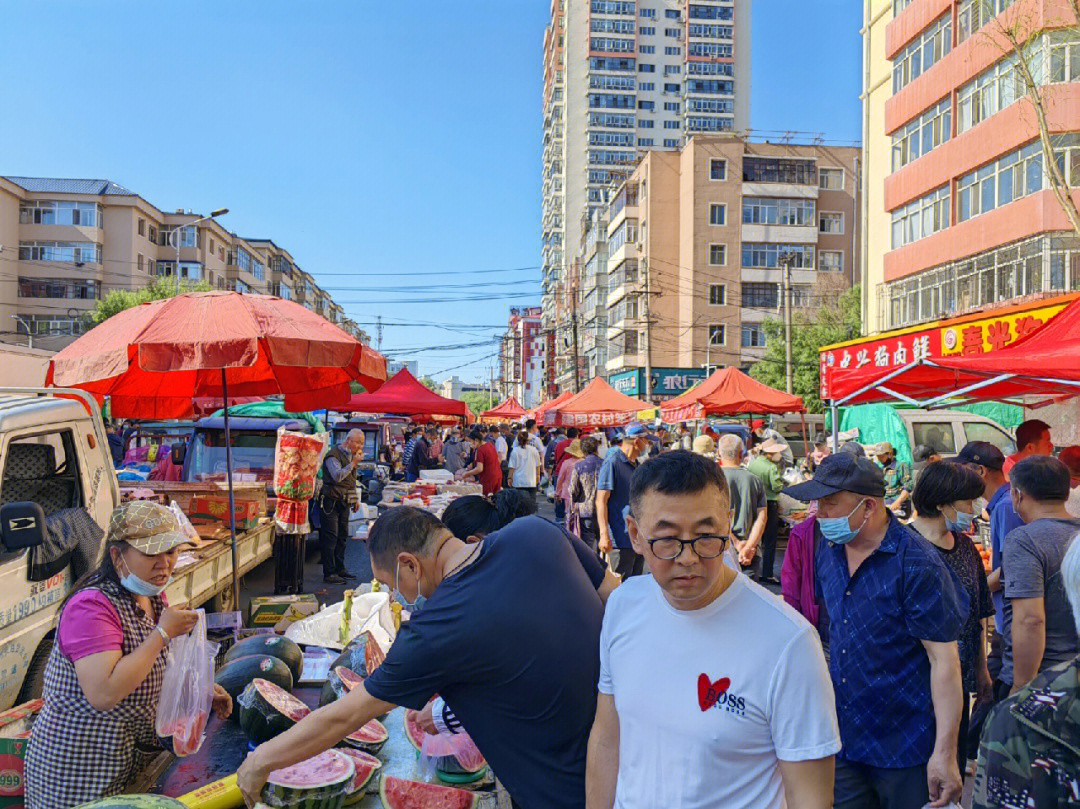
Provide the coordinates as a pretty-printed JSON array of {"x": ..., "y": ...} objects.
[{"x": 164, "y": 635}]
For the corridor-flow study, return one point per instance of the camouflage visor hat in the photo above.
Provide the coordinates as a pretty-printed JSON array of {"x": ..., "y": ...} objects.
[{"x": 147, "y": 527}]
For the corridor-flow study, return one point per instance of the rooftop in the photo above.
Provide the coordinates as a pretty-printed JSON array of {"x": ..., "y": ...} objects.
[{"x": 51, "y": 185}]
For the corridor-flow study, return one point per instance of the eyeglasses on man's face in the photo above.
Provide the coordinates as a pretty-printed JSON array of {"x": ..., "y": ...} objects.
[{"x": 708, "y": 546}]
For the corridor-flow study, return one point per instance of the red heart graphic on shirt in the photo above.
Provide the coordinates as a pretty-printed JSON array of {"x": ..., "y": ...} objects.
[{"x": 709, "y": 692}]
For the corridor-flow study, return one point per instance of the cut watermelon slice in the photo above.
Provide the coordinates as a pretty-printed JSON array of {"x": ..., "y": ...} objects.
[
  {"x": 373, "y": 654},
  {"x": 366, "y": 765},
  {"x": 414, "y": 732},
  {"x": 398, "y": 793},
  {"x": 320, "y": 782},
  {"x": 349, "y": 678},
  {"x": 267, "y": 710},
  {"x": 370, "y": 737}
]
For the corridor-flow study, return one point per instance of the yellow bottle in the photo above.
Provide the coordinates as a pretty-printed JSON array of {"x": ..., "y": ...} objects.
[{"x": 222, "y": 794}]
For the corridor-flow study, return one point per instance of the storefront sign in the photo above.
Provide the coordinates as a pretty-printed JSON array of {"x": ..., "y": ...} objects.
[
  {"x": 942, "y": 338},
  {"x": 665, "y": 381}
]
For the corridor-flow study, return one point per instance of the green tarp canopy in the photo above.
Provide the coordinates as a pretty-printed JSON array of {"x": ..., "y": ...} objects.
[{"x": 273, "y": 409}]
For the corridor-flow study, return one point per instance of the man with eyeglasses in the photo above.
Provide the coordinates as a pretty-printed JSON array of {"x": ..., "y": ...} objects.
[{"x": 713, "y": 692}]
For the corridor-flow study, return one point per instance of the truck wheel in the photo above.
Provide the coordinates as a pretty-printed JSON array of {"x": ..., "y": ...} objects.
[{"x": 34, "y": 683}]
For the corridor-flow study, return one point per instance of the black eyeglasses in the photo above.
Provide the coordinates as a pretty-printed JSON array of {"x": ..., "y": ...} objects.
[{"x": 669, "y": 548}]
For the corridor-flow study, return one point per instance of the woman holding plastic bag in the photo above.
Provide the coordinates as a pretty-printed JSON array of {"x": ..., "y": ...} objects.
[{"x": 103, "y": 682}]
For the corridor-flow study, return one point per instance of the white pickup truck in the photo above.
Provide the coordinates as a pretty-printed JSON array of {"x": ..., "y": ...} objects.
[{"x": 54, "y": 453}]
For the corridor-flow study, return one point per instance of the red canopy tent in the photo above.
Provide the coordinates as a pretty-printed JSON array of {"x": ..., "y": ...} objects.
[
  {"x": 507, "y": 410},
  {"x": 404, "y": 395},
  {"x": 599, "y": 405},
  {"x": 729, "y": 392},
  {"x": 1044, "y": 363},
  {"x": 542, "y": 408}
]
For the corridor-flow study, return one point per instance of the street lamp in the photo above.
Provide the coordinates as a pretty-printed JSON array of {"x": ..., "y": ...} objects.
[
  {"x": 29, "y": 332},
  {"x": 174, "y": 238}
]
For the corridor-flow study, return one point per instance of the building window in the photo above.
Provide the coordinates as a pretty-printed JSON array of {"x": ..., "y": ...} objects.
[
  {"x": 140, "y": 262},
  {"x": 717, "y": 294},
  {"x": 831, "y": 223},
  {"x": 753, "y": 335},
  {"x": 717, "y": 169},
  {"x": 142, "y": 227},
  {"x": 923, "y": 52},
  {"x": 671, "y": 143},
  {"x": 645, "y": 141},
  {"x": 646, "y": 68},
  {"x": 672, "y": 70},
  {"x": 671, "y": 13},
  {"x": 648, "y": 13},
  {"x": 717, "y": 255},
  {"x": 58, "y": 288},
  {"x": 717, "y": 214},
  {"x": 716, "y": 334},
  {"x": 46, "y": 212},
  {"x": 925, "y": 133},
  {"x": 605, "y": 26},
  {"x": 830, "y": 260},
  {"x": 767, "y": 211},
  {"x": 673, "y": 32},
  {"x": 647, "y": 31},
  {"x": 672, "y": 106},
  {"x": 1012, "y": 177},
  {"x": 192, "y": 270},
  {"x": 647, "y": 86},
  {"x": 152, "y": 234},
  {"x": 648, "y": 106},
  {"x": 612, "y": 7},
  {"x": 630, "y": 342},
  {"x": 645, "y": 123},
  {"x": 647, "y": 49},
  {"x": 921, "y": 218},
  {"x": 974, "y": 14},
  {"x": 779, "y": 170},
  {"x": 768, "y": 255},
  {"x": 831, "y": 179},
  {"x": 760, "y": 295},
  {"x": 672, "y": 125},
  {"x": 68, "y": 252},
  {"x": 51, "y": 325},
  {"x": 672, "y": 50},
  {"x": 672, "y": 87}
]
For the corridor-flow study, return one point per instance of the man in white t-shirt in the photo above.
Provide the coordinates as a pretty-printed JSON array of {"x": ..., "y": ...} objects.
[{"x": 713, "y": 692}]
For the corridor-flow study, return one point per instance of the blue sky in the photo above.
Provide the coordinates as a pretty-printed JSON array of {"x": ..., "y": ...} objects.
[{"x": 374, "y": 143}]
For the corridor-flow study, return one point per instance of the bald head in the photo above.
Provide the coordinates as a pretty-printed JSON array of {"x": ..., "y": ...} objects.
[{"x": 354, "y": 440}]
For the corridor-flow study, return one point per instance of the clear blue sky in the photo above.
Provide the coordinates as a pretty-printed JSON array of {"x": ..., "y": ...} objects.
[{"x": 361, "y": 137}]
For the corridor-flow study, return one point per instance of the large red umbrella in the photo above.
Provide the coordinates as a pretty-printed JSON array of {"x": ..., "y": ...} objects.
[
  {"x": 598, "y": 405},
  {"x": 729, "y": 392},
  {"x": 155, "y": 360},
  {"x": 507, "y": 410}
]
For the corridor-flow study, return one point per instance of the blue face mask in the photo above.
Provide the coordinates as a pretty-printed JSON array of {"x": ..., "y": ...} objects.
[
  {"x": 139, "y": 587},
  {"x": 838, "y": 530},
  {"x": 962, "y": 522},
  {"x": 413, "y": 607}
]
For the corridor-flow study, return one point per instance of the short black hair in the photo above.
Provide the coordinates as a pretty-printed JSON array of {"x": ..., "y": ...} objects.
[
  {"x": 402, "y": 529},
  {"x": 942, "y": 483},
  {"x": 474, "y": 515},
  {"x": 572, "y": 432},
  {"x": 1029, "y": 432},
  {"x": 530, "y": 423},
  {"x": 676, "y": 472},
  {"x": 475, "y": 434},
  {"x": 589, "y": 445},
  {"x": 1041, "y": 477},
  {"x": 922, "y": 452}
]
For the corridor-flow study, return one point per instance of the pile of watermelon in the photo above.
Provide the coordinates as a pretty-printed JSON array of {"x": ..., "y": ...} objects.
[
  {"x": 399, "y": 793},
  {"x": 321, "y": 782}
]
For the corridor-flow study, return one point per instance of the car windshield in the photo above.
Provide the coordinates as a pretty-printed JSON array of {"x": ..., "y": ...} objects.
[{"x": 252, "y": 454}]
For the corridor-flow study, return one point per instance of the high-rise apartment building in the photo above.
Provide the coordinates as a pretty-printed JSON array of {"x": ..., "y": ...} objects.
[
  {"x": 623, "y": 77},
  {"x": 522, "y": 357},
  {"x": 959, "y": 211},
  {"x": 65, "y": 244},
  {"x": 681, "y": 269}
]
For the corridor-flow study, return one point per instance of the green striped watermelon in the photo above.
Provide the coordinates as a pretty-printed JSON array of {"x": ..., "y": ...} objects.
[
  {"x": 371, "y": 737},
  {"x": 267, "y": 710},
  {"x": 399, "y": 793},
  {"x": 339, "y": 682},
  {"x": 320, "y": 782},
  {"x": 134, "y": 802},
  {"x": 274, "y": 645},
  {"x": 366, "y": 765}
]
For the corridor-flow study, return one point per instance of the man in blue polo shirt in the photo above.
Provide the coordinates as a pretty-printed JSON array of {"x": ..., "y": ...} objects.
[
  {"x": 895, "y": 612},
  {"x": 613, "y": 498}
]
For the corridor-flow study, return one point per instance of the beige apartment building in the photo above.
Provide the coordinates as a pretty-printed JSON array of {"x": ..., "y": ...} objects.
[
  {"x": 700, "y": 235},
  {"x": 65, "y": 244}
]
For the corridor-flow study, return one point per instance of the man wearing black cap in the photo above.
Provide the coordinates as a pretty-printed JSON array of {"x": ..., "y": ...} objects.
[{"x": 895, "y": 613}]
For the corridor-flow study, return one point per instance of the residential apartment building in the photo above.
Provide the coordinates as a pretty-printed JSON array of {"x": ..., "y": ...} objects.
[
  {"x": 65, "y": 244},
  {"x": 522, "y": 357},
  {"x": 622, "y": 77},
  {"x": 959, "y": 210},
  {"x": 690, "y": 252}
]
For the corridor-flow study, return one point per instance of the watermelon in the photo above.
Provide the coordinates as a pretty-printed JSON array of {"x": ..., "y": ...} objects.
[
  {"x": 468, "y": 762},
  {"x": 320, "y": 782},
  {"x": 399, "y": 793},
  {"x": 413, "y": 732},
  {"x": 238, "y": 673},
  {"x": 365, "y": 765},
  {"x": 363, "y": 655},
  {"x": 267, "y": 710},
  {"x": 275, "y": 646},
  {"x": 134, "y": 802},
  {"x": 370, "y": 737},
  {"x": 339, "y": 682}
]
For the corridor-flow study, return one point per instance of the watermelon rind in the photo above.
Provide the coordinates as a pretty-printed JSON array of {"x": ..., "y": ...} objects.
[
  {"x": 329, "y": 793},
  {"x": 339, "y": 682},
  {"x": 274, "y": 645},
  {"x": 371, "y": 737},
  {"x": 267, "y": 710},
  {"x": 366, "y": 766},
  {"x": 401, "y": 793},
  {"x": 134, "y": 802},
  {"x": 413, "y": 732},
  {"x": 238, "y": 673}
]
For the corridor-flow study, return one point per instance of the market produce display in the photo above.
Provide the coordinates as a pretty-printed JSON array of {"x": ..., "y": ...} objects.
[
  {"x": 237, "y": 674},
  {"x": 362, "y": 655},
  {"x": 371, "y": 737},
  {"x": 320, "y": 782},
  {"x": 400, "y": 793},
  {"x": 365, "y": 765},
  {"x": 134, "y": 802},
  {"x": 274, "y": 645},
  {"x": 339, "y": 682},
  {"x": 466, "y": 763},
  {"x": 414, "y": 732},
  {"x": 267, "y": 710}
]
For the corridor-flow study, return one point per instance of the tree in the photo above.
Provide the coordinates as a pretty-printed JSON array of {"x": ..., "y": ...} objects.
[
  {"x": 833, "y": 324},
  {"x": 478, "y": 401},
  {"x": 429, "y": 383},
  {"x": 158, "y": 289}
]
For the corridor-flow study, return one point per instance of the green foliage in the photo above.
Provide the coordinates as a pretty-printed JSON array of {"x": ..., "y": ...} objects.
[
  {"x": 429, "y": 383},
  {"x": 158, "y": 289},
  {"x": 478, "y": 401},
  {"x": 833, "y": 325}
]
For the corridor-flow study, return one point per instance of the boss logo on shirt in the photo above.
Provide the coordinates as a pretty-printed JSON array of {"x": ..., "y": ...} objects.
[{"x": 716, "y": 694}]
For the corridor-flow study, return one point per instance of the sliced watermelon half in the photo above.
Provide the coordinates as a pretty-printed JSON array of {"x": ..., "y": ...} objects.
[
  {"x": 399, "y": 793},
  {"x": 267, "y": 710},
  {"x": 413, "y": 732},
  {"x": 366, "y": 765},
  {"x": 370, "y": 737},
  {"x": 349, "y": 678},
  {"x": 320, "y": 782}
]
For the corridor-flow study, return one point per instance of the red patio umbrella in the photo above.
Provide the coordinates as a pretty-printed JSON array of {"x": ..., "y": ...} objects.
[
  {"x": 155, "y": 360},
  {"x": 539, "y": 411},
  {"x": 598, "y": 405}
]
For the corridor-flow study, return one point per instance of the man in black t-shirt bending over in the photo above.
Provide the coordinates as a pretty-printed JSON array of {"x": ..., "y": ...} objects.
[{"x": 508, "y": 635}]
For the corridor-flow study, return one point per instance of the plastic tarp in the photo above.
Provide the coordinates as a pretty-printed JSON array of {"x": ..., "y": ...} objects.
[
  {"x": 154, "y": 360},
  {"x": 729, "y": 392},
  {"x": 878, "y": 422},
  {"x": 506, "y": 410},
  {"x": 403, "y": 394},
  {"x": 1008, "y": 416},
  {"x": 599, "y": 405},
  {"x": 273, "y": 409}
]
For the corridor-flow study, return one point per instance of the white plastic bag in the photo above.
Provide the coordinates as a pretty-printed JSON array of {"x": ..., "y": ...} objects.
[
  {"x": 187, "y": 690},
  {"x": 186, "y": 528}
]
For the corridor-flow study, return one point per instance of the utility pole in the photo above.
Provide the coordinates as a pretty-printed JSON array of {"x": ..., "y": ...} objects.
[
  {"x": 378, "y": 333},
  {"x": 574, "y": 327},
  {"x": 786, "y": 259},
  {"x": 648, "y": 334}
]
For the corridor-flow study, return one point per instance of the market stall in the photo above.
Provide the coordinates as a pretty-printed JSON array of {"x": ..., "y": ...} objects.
[
  {"x": 506, "y": 410},
  {"x": 729, "y": 392},
  {"x": 598, "y": 405},
  {"x": 404, "y": 395},
  {"x": 542, "y": 408}
]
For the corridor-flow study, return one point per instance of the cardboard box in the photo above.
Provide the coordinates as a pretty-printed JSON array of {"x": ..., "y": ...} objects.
[
  {"x": 205, "y": 510},
  {"x": 14, "y": 737},
  {"x": 280, "y": 611}
]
